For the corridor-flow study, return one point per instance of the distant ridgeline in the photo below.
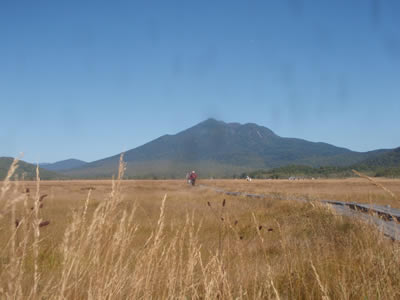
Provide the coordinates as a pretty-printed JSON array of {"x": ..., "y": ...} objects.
[
  {"x": 216, "y": 149},
  {"x": 26, "y": 171},
  {"x": 383, "y": 165}
]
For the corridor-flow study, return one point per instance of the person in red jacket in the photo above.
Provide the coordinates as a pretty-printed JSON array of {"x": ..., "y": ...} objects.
[{"x": 193, "y": 177}]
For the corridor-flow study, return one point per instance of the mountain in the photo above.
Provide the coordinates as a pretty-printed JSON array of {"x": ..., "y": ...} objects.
[
  {"x": 26, "y": 170},
  {"x": 63, "y": 165},
  {"x": 389, "y": 159},
  {"x": 216, "y": 148},
  {"x": 386, "y": 164}
]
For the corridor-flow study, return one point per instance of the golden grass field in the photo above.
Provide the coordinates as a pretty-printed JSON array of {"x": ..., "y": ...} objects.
[
  {"x": 127, "y": 240},
  {"x": 349, "y": 190}
]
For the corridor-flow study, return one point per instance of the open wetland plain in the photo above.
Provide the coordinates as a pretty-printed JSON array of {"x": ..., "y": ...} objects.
[{"x": 133, "y": 239}]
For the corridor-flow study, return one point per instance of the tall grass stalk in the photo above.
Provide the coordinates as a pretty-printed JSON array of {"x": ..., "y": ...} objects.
[{"x": 109, "y": 249}]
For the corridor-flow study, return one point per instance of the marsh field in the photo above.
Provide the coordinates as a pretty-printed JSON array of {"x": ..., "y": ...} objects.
[{"x": 159, "y": 239}]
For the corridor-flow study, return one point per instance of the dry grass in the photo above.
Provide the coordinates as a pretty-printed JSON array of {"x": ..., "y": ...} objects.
[
  {"x": 351, "y": 190},
  {"x": 127, "y": 240}
]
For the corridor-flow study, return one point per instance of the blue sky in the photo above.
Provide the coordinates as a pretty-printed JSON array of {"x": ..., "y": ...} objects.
[{"x": 89, "y": 79}]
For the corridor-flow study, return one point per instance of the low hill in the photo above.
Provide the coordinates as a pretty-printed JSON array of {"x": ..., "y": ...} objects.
[
  {"x": 26, "y": 170},
  {"x": 216, "y": 148},
  {"x": 386, "y": 164},
  {"x": 389, "y": 159},
  {"x": 63, "y": 165}
]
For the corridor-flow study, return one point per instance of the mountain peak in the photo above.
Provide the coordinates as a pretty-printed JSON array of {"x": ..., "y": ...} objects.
[
  {"x": 211, "y": 122},
  {"x": 63, "y": 165},
  {"x": 235, "y": 128},
  {"x": 215, "y": 148}
]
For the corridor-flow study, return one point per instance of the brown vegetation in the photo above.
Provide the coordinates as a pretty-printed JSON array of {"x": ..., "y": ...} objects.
[
  {"x": 350, "y": 190},
  {"x": 165, "y": 239}
]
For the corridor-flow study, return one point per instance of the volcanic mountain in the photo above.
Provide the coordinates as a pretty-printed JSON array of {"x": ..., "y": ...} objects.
[{"x": 215, "y": 148}]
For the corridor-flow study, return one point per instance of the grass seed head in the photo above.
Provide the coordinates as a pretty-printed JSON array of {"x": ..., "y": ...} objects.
[
  {"x": 44, "y": 223},
  {"x": 42, "y": 197}
]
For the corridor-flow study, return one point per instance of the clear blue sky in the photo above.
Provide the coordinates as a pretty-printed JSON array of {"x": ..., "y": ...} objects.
[{"x": 89, "y": 79}]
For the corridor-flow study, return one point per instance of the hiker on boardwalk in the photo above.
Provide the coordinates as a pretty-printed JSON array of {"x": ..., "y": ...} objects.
[{"x": 193, "y": 177}]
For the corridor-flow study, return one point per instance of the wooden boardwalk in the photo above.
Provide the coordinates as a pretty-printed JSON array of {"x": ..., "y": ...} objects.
[{"x": 387, "y": 219}]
